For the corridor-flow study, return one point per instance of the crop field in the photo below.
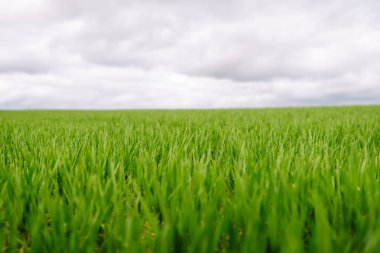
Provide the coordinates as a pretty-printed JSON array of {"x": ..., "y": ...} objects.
[{"x": 263, "y": 180}]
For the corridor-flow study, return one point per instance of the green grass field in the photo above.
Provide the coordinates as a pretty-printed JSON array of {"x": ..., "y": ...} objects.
[{"x": 265, "y": 180}]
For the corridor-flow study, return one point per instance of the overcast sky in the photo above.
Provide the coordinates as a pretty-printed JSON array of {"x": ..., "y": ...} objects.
[{"x": 188, "y": 54}]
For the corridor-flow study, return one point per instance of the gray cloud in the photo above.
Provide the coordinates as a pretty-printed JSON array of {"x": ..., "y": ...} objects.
[{"x": 180, "y": 54}]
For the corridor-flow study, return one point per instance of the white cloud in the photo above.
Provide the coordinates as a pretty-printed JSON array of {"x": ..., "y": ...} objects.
[{"x": 181, "y": 54}]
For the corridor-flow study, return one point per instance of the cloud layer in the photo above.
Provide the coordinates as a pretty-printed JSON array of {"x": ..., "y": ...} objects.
[{"x": 188, "y": 54}]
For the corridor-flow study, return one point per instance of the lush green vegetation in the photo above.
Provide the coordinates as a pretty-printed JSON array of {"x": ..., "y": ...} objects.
[{"x": 268, "y": 180}]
